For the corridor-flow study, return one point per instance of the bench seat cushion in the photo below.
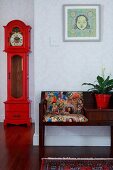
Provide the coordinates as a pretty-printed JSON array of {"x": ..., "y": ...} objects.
[{"x": 65, "y": 118}]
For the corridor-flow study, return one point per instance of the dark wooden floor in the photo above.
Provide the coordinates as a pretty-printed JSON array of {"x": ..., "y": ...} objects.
[
  {"x": 18, "y": 153},
  {"x": 16, "y": 148}
]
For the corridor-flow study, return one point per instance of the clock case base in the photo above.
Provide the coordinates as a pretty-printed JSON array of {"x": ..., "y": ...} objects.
[{"x": 17, "y": 112}]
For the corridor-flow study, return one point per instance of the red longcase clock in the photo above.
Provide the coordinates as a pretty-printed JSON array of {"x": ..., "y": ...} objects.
[{"x": 17, "y": 47}]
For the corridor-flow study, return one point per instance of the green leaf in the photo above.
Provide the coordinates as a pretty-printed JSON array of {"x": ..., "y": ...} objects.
[
  {"x": 89, "y": 84},
  {"x": 106, "y": 81},
  {"x": 100, "y": 80},
  {"x": 103, "y": 86}
]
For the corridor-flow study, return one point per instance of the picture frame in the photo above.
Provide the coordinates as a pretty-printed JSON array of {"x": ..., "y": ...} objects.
[{"x": 81, "y": 22}]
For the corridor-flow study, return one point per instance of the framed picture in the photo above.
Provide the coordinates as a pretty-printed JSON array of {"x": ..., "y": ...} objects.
[{"x": 81, "y": 22}]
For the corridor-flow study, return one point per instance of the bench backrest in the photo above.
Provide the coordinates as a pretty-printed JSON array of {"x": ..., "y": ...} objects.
[{"x": 64, "y": 101}]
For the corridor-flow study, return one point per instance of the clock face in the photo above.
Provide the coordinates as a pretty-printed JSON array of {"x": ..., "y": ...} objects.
[{"x": 16, "y": 39}]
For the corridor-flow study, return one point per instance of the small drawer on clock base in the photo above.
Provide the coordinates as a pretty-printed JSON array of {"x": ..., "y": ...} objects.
[{"x": 16, "y": 115}]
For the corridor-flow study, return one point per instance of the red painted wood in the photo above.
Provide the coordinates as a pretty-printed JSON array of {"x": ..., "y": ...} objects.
[
  {"x": 25, "y": 29},
  {"x": 18, "y": 105}
]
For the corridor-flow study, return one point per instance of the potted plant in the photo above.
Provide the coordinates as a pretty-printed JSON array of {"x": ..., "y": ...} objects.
[{"x": 102, "y": 89}]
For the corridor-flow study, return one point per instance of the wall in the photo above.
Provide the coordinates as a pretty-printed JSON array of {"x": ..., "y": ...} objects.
[
  {"x": 58, "y": 65},
  {"x": 10, "y": 10},
  {"x": 66, "y": 65}
]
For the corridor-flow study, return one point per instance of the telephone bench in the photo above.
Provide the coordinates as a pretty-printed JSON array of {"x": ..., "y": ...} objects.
[{"x": 71, "y": 108}]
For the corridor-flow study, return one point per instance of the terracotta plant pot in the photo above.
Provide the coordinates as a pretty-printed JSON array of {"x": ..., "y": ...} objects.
[{"x": 102, "y": 100}]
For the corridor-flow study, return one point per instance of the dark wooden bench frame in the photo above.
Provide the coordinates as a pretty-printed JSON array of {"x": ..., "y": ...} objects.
[{"x": 96, "y": 117}]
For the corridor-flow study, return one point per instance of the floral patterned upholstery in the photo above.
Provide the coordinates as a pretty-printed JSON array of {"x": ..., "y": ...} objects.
[
  {"x": 64, "y": 107},
  {"x": 65, "y": 118}
]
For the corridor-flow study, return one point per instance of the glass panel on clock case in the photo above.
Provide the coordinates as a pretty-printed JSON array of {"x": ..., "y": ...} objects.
[{"x": 16, "y": 76}]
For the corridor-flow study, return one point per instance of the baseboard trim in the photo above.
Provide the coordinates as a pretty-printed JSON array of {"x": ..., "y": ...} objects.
[{"x": 35, "y": 139}]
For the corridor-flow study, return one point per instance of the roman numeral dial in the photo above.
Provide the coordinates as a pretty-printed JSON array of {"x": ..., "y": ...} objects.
[{"x": 16, "y": 39}]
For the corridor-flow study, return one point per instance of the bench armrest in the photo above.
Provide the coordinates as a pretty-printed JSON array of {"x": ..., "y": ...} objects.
[{"x": 42, "y": 110}]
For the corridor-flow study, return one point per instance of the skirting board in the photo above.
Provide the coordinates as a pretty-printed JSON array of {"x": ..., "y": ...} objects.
[
  {"x": 73, "y": 140},
  {"x": 35, "y": 139}
]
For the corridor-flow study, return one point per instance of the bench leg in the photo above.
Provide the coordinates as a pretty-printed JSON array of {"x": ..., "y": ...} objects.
[
  {"x": 111, "y": 142},
  {"x": 41, "y": 142},
  {"x": 41, "y": 135}
]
